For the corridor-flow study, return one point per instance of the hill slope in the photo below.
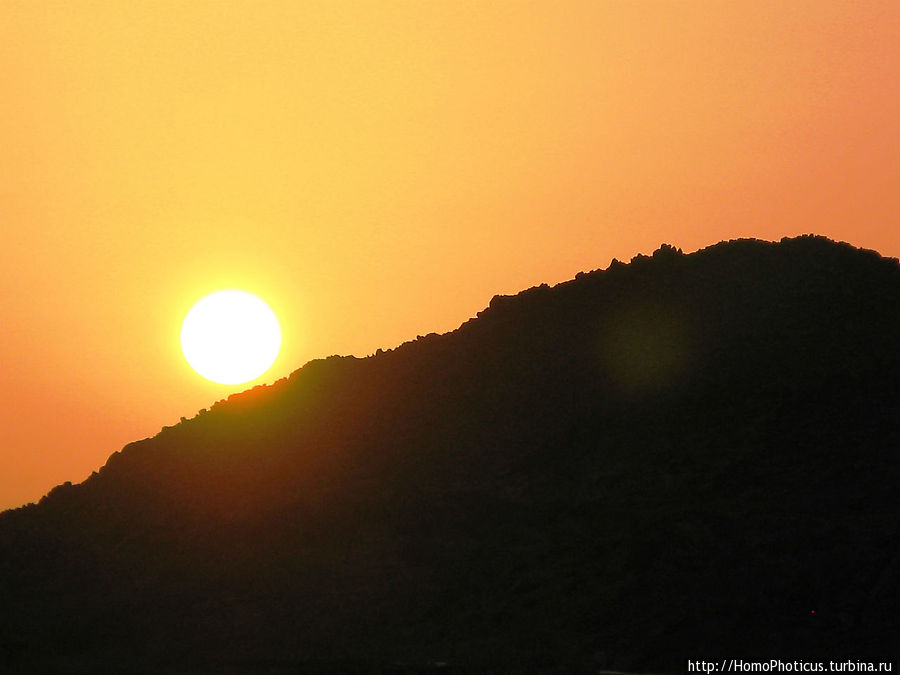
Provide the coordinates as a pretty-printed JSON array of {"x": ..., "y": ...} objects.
[{"x": 686, "y": 457}]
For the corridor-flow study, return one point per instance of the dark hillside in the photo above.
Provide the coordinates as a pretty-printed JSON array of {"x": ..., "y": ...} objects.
[{"x": 685, "y": 457}]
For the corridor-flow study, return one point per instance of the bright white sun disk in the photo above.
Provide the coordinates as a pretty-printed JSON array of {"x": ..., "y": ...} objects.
[{"x": 230, "y": 337}]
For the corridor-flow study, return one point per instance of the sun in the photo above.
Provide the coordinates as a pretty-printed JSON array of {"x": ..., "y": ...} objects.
[{"x": 230, "y": 337}]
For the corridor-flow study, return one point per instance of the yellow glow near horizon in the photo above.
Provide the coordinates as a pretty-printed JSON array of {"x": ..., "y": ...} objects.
[{"x": 230, "y": 337}]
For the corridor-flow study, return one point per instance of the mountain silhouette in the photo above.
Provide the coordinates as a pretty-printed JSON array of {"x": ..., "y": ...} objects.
[{"x": 682, "y": 457}]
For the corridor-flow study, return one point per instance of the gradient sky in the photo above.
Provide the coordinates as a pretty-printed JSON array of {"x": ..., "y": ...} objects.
[{"x": 378, "y": 170}]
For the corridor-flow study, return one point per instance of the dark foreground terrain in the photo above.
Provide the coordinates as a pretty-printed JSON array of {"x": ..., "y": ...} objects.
[{"x": 685, "y": 457}]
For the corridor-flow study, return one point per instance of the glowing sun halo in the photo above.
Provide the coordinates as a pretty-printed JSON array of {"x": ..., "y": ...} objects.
[{"x": 230, "y": 337}]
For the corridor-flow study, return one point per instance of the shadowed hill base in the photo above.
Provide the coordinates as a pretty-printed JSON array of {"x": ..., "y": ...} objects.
[{"x": 685, "y": 457}]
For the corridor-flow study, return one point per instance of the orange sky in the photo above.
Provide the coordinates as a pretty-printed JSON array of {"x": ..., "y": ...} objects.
[{"x": 378, "y": 170}]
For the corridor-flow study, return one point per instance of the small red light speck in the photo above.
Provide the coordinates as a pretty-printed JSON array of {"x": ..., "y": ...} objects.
[{"x": 813, "y": 612}]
